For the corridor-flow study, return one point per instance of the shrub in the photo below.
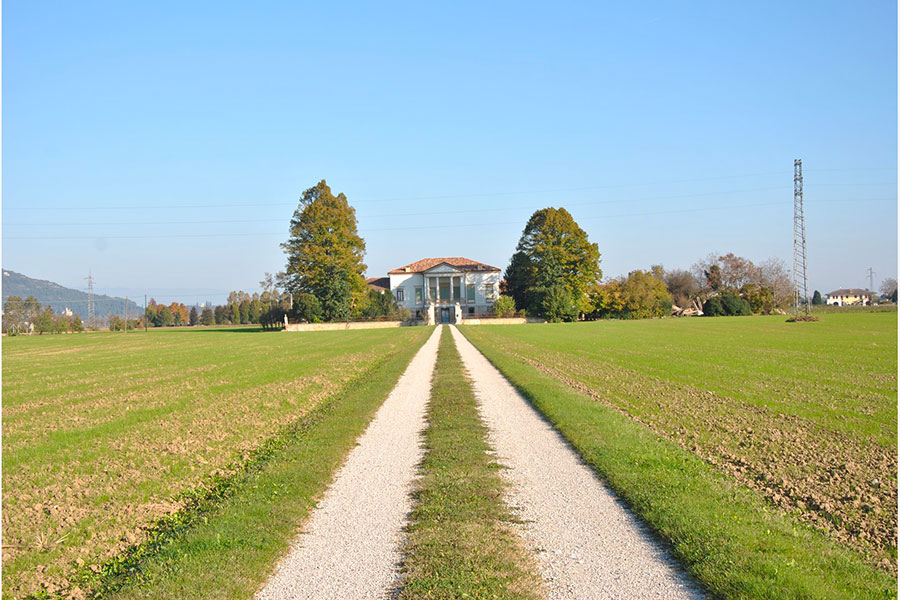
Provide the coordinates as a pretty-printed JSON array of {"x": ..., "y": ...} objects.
[
  {"x": 736, "y": 306},
  {"x": 505, "y": 306},
  {"x": 307, "y": 308},
  {"x": 377, "y": 304},
  {"x": 725, "y": 306},
  {"x": 558, "y": 305},
  {"x": 713, "y": 307}
]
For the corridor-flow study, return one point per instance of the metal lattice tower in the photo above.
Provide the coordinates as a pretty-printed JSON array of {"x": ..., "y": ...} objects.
[
  {"x": 871, "y": 274},
  {"x": 90, "y": 280},
  {"x": 801, "y": 285}
]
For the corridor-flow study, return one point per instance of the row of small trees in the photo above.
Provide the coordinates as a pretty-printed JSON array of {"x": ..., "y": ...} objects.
[
  {"x": 240, "y": 308},
  {"x": 25, "y": 316}
]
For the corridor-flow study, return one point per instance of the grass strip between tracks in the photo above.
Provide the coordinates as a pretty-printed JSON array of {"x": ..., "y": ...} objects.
[
  {"x": 461, "y": 544},
  {"x": 729, "y": 538},
  {"x": 226, "y": 541}
]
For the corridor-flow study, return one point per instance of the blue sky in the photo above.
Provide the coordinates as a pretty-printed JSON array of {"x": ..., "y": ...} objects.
[{"x": 164, "y": 145}]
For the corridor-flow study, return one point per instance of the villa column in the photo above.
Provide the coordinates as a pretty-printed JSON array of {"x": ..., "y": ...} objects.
[{"x": 464, "y": 288}]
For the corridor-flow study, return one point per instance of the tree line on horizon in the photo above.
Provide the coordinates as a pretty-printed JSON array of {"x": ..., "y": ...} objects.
[
  {"x": 554, "y": 274},
  {"x": 28, "y": 315}
]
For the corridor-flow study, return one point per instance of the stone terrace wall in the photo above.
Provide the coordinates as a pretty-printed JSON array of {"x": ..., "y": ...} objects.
[
  {"x": 342, "y": 326},
  {"x": 502, "y": 321}
]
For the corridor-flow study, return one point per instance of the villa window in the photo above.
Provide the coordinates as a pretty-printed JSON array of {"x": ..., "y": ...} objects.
[
  {"x": 399, "y": 293},
  {"x": 489, "y": 291},
  {"x": 419, "y": 297},
  {"x": 470, "y": 293},
  {"x": 456, "y": 292}
]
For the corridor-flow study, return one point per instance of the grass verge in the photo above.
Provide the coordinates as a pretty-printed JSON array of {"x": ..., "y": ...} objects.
[
  {"x": 461, "y": 544},
  {"x": 730, "y": 539},
  {"x": 225, "y": 541}
]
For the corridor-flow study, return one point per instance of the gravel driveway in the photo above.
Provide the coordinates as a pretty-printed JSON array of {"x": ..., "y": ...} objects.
[
  {"x": 587, "y": 543},
  {"x": 350, "y": 547}
]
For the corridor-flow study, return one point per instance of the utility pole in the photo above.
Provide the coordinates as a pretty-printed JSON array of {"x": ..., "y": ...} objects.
[
  {"x": 801, "y": 285},
  {"x": 125, "y": 314},
  {"x": 871, "y": 280},
  {"x": 145, "y": 313},
  {"x": 90, "y": 280}
]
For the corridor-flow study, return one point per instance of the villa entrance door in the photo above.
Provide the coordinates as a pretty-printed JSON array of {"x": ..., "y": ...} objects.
[{"x": 445, "y": 315}]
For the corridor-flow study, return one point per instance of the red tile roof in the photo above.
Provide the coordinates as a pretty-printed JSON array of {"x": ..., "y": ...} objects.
[
  {"x": 464, "y": 264},
  {"x": 379, "y": 283}
]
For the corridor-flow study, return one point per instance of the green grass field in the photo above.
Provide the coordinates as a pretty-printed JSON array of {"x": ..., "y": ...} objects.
[
  {"x": 102, "y": 433},
  {"x": 803, "y": 415}
]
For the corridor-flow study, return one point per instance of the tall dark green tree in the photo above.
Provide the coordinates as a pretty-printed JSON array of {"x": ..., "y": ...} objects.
[
  {"x": 817, "y": 297},
  {"x": 194, "y": 318},
  {"x": 553, "y": 260},
  {"x": 244, "y": 308},
  {"x": 256, "y": 309},
  {"x": 325, "y": 252}
]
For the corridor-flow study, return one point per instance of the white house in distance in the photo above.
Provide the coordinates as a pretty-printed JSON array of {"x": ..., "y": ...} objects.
[
  {"x": 849, "y": 297},
  {"x": 446, "y": 290}
]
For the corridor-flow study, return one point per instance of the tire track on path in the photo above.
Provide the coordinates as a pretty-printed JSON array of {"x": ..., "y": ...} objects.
[
  {"x": 588, "y": 544},
  {"x": 350, "y": 547}
]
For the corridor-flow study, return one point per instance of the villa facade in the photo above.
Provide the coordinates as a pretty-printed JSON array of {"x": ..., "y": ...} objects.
[{"x": 446, "y": 290}]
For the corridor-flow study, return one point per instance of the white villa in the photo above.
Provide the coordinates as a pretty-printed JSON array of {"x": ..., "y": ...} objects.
[{"x": 446, "y": 290}]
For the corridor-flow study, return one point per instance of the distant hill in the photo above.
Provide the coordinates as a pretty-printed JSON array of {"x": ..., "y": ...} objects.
[{"x": 59, "y": 297}]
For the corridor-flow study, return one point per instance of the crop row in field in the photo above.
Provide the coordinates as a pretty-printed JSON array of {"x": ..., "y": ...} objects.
[{"x": 102, "y": 432}]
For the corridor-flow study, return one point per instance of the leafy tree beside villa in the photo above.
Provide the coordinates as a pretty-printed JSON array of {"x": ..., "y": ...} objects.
[
  {"x": 325, "y": 253},
  {"x": 554, "y": 267}
]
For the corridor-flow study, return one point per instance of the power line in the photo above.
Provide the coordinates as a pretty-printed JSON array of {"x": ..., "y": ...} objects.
[
  {"x": 417, "y": 198},
  {"x": 430, "y": 226},
  {"x": 409, "y": 198},
  {"x": 412, "y": 214}
]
